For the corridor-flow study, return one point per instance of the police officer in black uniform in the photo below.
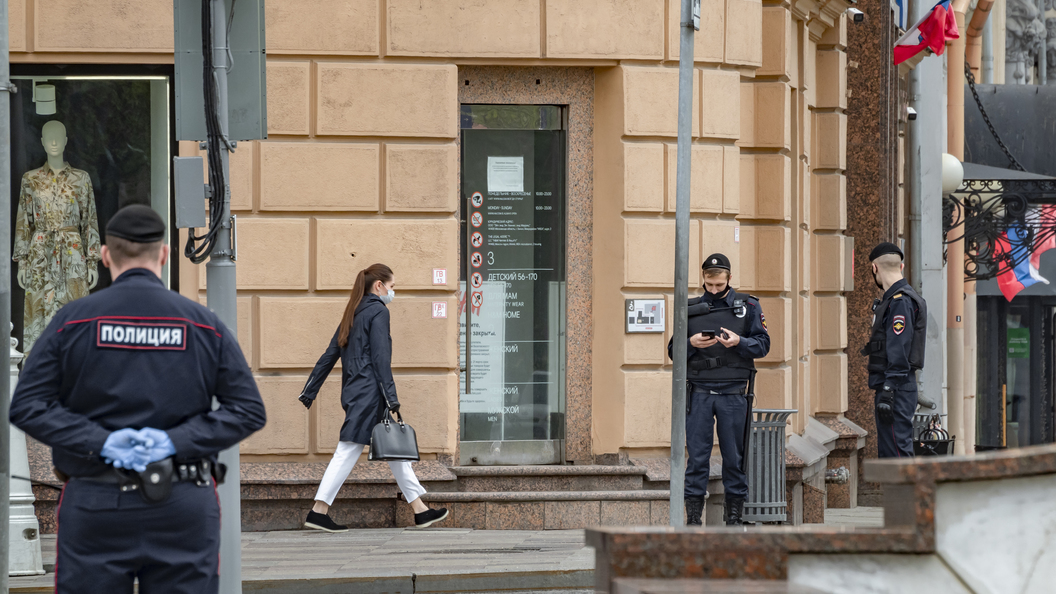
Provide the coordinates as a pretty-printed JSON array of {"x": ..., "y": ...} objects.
[
  {"x": 727, "y": 332},
  {"x": 895, "y": 350},
  {"x": 121, "y": 385}
]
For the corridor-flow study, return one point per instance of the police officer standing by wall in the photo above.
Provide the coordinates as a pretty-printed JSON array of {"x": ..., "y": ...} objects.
[
  {"x": 895, "y": 350},
  {"x": 121, "y": 385},
  {"x": 727, "y": 332}
]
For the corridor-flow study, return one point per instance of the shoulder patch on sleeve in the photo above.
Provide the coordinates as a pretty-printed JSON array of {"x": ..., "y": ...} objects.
[
  {"x": 898, "y": 324},
  {"x": 762, "y": 319}
]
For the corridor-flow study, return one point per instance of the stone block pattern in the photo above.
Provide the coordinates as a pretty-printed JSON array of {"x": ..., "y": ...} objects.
[
  {"x": 618, "y": 29},
  {"x": 496, "y": 28},
  {"x": 118, "y": 26},
  {"x": 329, "y": 27}
]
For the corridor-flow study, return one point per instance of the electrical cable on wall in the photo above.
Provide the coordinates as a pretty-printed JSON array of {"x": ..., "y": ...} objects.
[{"x": 215, "y": 142}]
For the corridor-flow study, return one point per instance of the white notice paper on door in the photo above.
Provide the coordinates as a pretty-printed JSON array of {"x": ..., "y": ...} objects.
[{"x": 505, "y": 174}]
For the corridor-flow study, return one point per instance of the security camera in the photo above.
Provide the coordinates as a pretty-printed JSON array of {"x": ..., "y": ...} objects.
[
  {"x": 911, "y": 114},
  {"x": 857, "y": 15}
]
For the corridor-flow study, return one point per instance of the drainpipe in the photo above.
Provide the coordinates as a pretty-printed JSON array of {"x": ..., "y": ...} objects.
[
  {"x": 987, "y": 66},
  {"x": 978, "y": 28},
  {"x": 955, "y": 251},
  {"x": 973, "y": 43}
]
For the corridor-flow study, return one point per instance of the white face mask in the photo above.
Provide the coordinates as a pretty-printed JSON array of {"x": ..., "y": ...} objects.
[{"x": 387, "y": 299}]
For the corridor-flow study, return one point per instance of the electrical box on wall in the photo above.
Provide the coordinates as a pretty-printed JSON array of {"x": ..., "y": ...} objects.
[{"x": 246, "y": 82}]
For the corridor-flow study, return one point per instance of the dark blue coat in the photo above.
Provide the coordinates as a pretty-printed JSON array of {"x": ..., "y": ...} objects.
[
  {"x": 135, "y": 355},
  {"x": 366, "y": 370}
]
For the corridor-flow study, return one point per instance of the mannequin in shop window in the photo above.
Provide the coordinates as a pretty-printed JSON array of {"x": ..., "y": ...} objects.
[{"x": 56, "y": 235}]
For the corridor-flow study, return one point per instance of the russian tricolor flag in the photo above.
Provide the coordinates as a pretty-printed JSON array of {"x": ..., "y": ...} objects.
[
  {"x": 931, "y": 32},
  {"x": 1015, "y": 242}
]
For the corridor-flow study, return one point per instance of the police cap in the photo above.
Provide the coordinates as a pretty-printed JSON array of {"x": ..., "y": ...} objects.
[
  {"x": 716, "y": 261},
  {"x": 136, "y": 223},
  {"x": 885, "y": 248}
]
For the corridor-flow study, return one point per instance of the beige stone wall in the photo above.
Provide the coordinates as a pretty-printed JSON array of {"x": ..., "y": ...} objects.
[
  {"x": 769, "y": 148},
  {"x": 361, "y": 165}
]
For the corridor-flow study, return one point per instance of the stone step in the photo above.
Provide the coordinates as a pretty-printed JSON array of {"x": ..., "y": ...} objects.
[
  {"x": 549, "y": 478},
  {"x": 692, "y": 586},
  {"x": 546, "y": 510}
]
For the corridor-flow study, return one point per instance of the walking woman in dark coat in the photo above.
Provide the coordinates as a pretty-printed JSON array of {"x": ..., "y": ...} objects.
[{"x": 364, "y": 346}]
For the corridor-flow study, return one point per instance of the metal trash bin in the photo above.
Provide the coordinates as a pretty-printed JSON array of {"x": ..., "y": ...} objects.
[
  {"x": 929, "y": 436},
  {"x": 921, "y": 420},
  {"x": 766, "y": 467}
]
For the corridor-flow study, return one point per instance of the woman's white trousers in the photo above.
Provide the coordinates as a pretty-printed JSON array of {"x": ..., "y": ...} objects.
[{"x": 344, "y": 461}]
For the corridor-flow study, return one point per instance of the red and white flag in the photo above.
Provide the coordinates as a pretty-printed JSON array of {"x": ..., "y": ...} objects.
[{"x": 930, "y": 32}]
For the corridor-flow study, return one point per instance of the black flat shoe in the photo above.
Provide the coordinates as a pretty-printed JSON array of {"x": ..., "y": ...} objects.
[
  {"x": 319, "y": 521},
  {"x": 430, "y": 517}
]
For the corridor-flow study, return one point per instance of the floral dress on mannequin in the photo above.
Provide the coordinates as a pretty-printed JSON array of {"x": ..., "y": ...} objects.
[{"x": 56, "y": 242}]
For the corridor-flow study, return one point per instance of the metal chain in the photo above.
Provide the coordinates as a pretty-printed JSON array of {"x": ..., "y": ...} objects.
[{"x": 971, "y": 84}]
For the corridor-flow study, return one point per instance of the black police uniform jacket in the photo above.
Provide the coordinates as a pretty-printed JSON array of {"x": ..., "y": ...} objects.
[
  {"x": 732, "y": 366},
  {"x": 896, "y": 343},
  {"x": 366, "y": 370},
  {"x": 135, "y": 355}
]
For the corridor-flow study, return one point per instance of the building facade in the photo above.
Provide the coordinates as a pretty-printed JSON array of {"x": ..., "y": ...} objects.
[{"x": 532, "y": 143}]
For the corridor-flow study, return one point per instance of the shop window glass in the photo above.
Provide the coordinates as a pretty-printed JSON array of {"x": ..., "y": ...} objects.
[{"x": 112, "y": 148}]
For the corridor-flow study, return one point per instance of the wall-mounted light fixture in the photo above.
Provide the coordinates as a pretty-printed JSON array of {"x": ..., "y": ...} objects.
[{"x": 44, "y": 98}]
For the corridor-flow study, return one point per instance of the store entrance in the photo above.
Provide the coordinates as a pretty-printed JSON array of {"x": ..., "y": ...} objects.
[
  {"x": 1016, "y": 371},
  {"x": 512, "y": 392}
]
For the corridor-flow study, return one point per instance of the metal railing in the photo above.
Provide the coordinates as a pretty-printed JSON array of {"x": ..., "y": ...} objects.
[{"x": 767, "y": 501}]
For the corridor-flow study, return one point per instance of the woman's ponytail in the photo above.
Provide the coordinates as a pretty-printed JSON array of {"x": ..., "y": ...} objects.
[{"x": 364, "y": 281}]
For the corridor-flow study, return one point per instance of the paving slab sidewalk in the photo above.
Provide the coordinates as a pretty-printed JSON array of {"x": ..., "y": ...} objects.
[
  {"x": 405, "y": 560},
  {"x": 399, "y": 561}
]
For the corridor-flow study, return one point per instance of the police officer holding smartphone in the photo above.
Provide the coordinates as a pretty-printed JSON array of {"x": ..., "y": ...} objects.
[
  {"x": 896, "y": 351},
  {"x": 121, "y": 386},
  {"x": 727, "y": 332}
]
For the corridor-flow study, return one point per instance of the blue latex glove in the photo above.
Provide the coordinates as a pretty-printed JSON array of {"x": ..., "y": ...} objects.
[
  {"x": 157, "y": 443},
  {"x": 124, "y": 449}
]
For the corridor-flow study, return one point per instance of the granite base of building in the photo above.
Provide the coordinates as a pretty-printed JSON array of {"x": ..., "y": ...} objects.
[{"x": 983, "y": 523}]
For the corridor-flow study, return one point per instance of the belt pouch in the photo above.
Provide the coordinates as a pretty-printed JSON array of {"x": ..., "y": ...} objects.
[{"x": 155, "y": 482}]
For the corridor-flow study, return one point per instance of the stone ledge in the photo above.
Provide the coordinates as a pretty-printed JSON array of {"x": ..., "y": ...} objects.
[
  {"x": 851, "y": 436},
  {"x": 691, "y": 586},
  {"x": 499, "y": 496},
  {"x": 299, "y": 473},
  {"x": 1028, "y": 461},
  {"x": 577, "y": 470}
]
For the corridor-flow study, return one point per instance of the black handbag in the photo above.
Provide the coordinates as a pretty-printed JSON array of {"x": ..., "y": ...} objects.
[{"x": 393, "y": 441}]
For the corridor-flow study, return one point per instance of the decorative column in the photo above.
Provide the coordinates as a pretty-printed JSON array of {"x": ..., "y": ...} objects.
[{"x": 24, "y": 556}]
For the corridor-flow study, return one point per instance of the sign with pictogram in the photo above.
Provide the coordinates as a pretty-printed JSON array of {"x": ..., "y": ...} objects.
[
  {"x": 476, "y": 239},
  {"x": 478, "y": 299},
  {"x": 476, "y": 219},
  {"x": 439, "y": 309},
  {"x": 477, "y": 280},
  {"x": 476, "y": 260},
  {"x": 477, "y": 199}
]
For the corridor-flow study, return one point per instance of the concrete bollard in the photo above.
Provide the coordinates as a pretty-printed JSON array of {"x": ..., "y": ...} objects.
[{"x": 24, "y": 556}]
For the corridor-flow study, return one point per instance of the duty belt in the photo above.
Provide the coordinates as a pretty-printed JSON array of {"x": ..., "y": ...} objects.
[
  {"x": 873, "y": 347},
  {"x": 155, "y": 483},
  {"x": 707, "y": 363}
]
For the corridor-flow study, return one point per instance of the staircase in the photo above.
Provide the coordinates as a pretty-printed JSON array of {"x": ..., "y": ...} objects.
[
  {"x": 548, "y": 498},
  {"x": 277, "y": 496}
]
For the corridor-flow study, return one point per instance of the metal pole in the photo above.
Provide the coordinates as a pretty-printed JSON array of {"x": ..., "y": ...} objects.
[
  {"x": 5, "y": 289},
  {"x": 955, "y": 250},
  {"x": 680, "y": 347},
  {"x": 221, "y": 296}
]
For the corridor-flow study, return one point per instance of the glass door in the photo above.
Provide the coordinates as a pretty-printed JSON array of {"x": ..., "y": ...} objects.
[{"x": 512, "y": 387}]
